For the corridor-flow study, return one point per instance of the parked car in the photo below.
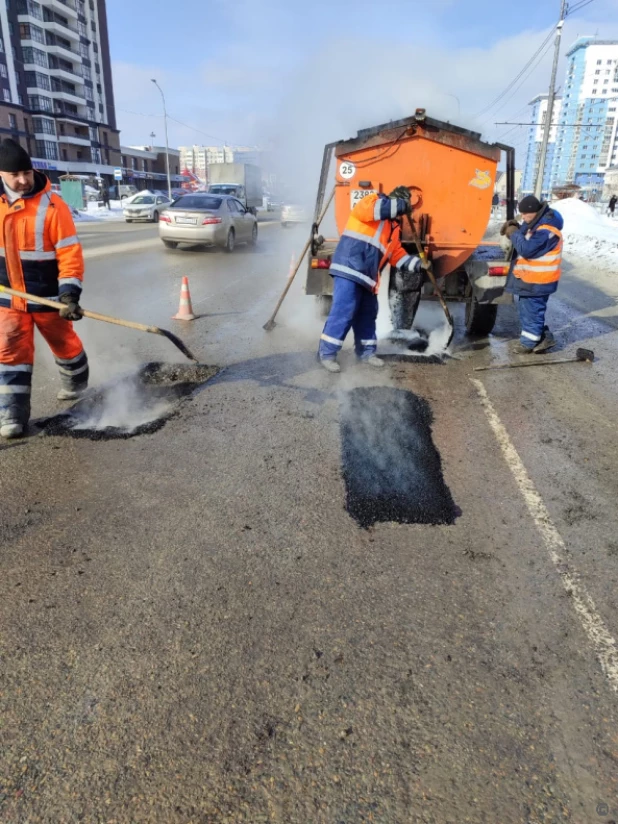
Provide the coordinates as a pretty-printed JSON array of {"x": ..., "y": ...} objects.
[
  {"x": 292, "y": 213},
  {"x": 176, "y": 193},
  {"x": 214, "y": 220},
  {"x": 145, "y": 207},
  {"x": 127, "y": 190},
  {"x": 92, "y": 194}
]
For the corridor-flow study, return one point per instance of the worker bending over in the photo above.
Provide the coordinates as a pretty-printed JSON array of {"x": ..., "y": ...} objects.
[
  {"x": 371, "y": 239},
  {"x": 40, "y": 254},
  {"x": 535, "y": 270}
]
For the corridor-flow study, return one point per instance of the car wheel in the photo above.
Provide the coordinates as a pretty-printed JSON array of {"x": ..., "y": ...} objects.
[
  {"x": 230, "y": 243},
  {"x": 170, "y": 244},
  {"x": 155, "y": 217},
  {"x": 254, "y": 234}
]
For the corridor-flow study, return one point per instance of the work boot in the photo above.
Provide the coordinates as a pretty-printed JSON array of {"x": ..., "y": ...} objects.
[
  {"x": 374, "y": 361},
  {"x": 520, "y": 349},
  {"x": 330, "y": 364},
  {"x": 548, "y": 341},
  {"x": 11, "y": 429},
  {"x": 70, "y": 394}
]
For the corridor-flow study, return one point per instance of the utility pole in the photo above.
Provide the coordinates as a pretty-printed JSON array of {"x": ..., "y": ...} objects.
[
  {"x": 167, "y": 148},
  {"x": 538, "y": 189}
]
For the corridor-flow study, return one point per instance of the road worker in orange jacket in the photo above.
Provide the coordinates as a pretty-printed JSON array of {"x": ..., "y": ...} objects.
[
  {"x": 371, "y": 239},
  {"x": 40, "y": 254}
]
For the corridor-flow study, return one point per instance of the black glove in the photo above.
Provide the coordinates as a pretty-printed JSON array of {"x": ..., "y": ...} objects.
[
  {"x": 403, "y": 193},
  {"x": 71, "y": 309},
  {"x": 510, "y": 230}
]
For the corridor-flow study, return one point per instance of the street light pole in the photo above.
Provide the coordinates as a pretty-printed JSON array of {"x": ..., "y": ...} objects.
[
  {"x": 167, "y": 148},
  {"x": 538, "y": 189}
]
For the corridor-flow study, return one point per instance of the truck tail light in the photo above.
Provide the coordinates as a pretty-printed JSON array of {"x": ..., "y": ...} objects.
[
  {"x": 498, "y": 270},
  {"x": 320, "y": 263},
  {"x": 209, "y": 220}
]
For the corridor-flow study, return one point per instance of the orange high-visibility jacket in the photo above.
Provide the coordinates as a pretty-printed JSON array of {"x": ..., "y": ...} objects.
[
  {"x": 40, "y": 252},
  {"x": 538, "y": 266},
  {"x": 371, "y": 239}
]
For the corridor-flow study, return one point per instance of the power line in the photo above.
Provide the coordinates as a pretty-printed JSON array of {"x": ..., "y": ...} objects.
[
  {"x": 169, "y": 117},
  {"x": 523, "y": 71},
  {"x": 578, "y": 6}
]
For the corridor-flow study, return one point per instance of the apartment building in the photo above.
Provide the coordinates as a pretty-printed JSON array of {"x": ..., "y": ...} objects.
[
  {"x": 538, "y": 116},
  {"x": 56, "y": 94},
  {"x": 197, "y": 159},
  {"x": 584, "y": 142}
]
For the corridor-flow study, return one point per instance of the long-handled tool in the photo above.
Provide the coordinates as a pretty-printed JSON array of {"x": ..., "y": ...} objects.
[
  {"x": 586, "y": 355},
  {"x": 54, "y": 304},
  {"x": 270, "y": 323},
  {"x": 432, "y": 278}
]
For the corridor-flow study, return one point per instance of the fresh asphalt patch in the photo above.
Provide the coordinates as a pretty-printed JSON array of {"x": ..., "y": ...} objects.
[
  {"x": 391, "y": 467},
  {"x": 139, "y": 403}
]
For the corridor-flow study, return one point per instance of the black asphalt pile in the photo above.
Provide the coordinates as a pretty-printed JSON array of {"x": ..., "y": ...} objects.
[
  {"x": 136, "y": 404},
  {"x": 391, "y": 468}
]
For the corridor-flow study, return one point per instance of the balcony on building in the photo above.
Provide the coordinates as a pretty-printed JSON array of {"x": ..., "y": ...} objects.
[
  {"x": 59, "y": 46},
  {"x": 65, "y": 70},
  {"x": 73, "y": 134},
  {"x": 63, "y": 7}
]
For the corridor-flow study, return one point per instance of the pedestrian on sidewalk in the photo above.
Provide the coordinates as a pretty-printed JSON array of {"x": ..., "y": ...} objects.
[
  {"x": 495, "y": 203},
  {"x": 105, "y": 195},
  {"x": 535, "y": 270},
  {"x": 611, "y": 206},
  {"x": 371, "y": 239},
  {"x": 40, "y": 253}
]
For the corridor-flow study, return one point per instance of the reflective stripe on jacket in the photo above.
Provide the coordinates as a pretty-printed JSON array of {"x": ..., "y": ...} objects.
[
  {"x": 371, "y": 239},
  {"x": 40, "y": 252},
  {"x": 544, "y": 269}
]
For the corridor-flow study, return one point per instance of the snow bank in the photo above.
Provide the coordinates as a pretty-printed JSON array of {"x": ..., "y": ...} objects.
[
  {"x": 589, "y": 237},
  {"x": 94, "y": 212}
]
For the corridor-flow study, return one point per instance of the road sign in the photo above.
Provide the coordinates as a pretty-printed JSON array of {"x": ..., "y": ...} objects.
[{"x": 117, "y": 174}]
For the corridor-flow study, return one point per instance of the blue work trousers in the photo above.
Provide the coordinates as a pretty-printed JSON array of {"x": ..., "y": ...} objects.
[
  {"x": 354, "y": 307},
  {"x": 532, "y": 319}
]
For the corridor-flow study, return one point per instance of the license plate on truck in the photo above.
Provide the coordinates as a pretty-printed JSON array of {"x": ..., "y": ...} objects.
[{"x": 356, "y": 195}]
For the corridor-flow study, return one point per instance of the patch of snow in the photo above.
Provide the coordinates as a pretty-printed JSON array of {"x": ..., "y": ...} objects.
[
  {"x": 589, "y": 237},
  {"x": 94, "y": 212}
]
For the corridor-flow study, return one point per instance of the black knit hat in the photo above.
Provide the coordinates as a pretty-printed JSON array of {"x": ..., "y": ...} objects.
[
  {"x": 13, "y": 158},
  {"x": 529, "y": 205}
]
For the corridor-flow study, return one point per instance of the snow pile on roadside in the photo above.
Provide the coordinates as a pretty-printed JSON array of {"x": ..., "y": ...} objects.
[
  {"x": 94, "y": 212},
  {"x": 589, "y": 236}
]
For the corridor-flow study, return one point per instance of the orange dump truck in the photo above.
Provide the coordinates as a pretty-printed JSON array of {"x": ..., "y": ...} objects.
[{"x": 452, "y": 174}]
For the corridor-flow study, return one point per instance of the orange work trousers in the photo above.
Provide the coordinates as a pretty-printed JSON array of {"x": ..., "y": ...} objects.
[{"x": 17, "y": 357}]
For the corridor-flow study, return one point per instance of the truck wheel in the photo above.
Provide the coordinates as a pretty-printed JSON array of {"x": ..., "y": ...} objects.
[
  {"x": 480, "y": 317},
  {"x": 254, "y": 235},
  {"x": 230, "y": 243},
  {"x": 325, "y": 303}
]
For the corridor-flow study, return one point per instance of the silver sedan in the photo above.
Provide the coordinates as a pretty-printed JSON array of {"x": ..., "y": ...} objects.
[
  {"x": 214, "y": 220},
  {"x": 145, "y": 207}
]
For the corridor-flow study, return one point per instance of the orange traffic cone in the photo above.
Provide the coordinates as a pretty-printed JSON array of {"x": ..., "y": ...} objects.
[{"x": 185, "y": 310}]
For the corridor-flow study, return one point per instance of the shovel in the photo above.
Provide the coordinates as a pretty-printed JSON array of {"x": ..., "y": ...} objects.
[
  {"x": 270, "y": 323},
  {"x": 54, "y": 304},
  {"x": 432, "y": 278},
  {"x": 586, "y": 355}
]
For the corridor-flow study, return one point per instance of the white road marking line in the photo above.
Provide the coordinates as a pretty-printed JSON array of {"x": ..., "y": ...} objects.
[{"x": 604, "y": 644}]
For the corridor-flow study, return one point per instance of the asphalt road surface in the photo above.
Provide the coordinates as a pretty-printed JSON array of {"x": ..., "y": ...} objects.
[{"x": 194, "y": 629}]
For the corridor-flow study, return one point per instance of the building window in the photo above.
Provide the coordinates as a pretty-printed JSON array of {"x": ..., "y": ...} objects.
[
  {"x": 3, "y": 70},
  {"x": 47, "y": 149},
  {"x": 7, "y": 95},
  {"x": 12, "y": 121},
  {"x": 88, "y": 93},
  {"x": 599, "y": 62},
  {"x": 83, "y": 50},
  {"x": 42, "y": 125},
  {"x": 37, "y": 80},
  {"x": 87, "y": 73},
  {"x": 29, "y": 32},
  {"x": 64, "y": 154},
  {"x": 595, "y": 82},
  {"x": 31, "y": 8},
  {"x": 39, "y": 103},
  {"x": 36, "y": 56}
]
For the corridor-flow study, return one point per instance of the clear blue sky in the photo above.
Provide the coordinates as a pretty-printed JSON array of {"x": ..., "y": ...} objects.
[{"x": 286, "y": 72}]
